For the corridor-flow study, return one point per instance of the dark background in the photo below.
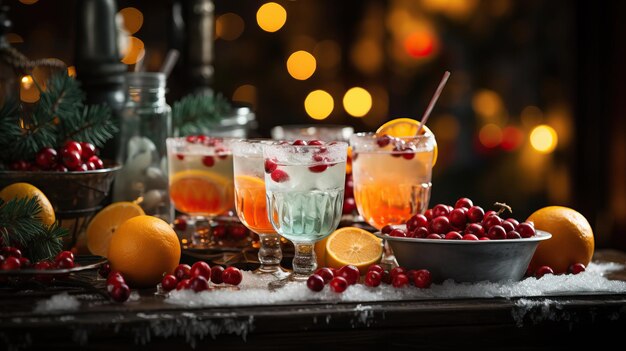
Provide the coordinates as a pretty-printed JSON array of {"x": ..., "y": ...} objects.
[{"x": 515, "y": 65}]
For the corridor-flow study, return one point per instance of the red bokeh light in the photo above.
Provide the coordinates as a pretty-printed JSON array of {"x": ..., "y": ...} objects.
[
  {"x": 419, "y": 44},
  {"x": 512, "y": 138}
]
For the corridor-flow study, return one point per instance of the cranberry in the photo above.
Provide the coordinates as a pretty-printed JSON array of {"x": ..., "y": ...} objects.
[
  {"x": 183, "y": 284},
  {"x": 90, "y": 166},
  {"x": 46, "y": 158},
  {"x": 350, "y": 273},
  {"x": 11, "y": 263},
  {"x": 513, "y": 235},
  {"x": 397, "y": 270},
  {"x": 97, "y": 162},
  {"x": 576, "y": 268},
  {"x": 512, "y": 221},
  {"x": 279, "y": 176},
  {"x": 318, "y": 168},
  {"x": 491, "y": 220},
  {"x": 64, "y": 254},
  {"x": 104, "y": 270},
  {"x": 349, "y": 205},
  {"x": 270, "y": 166},
  {"x": 349, "y": 188},
  {"x": 221, "y": 153},
  {"x": 489, "y": 213},
  {"x": 299, "y": 143},
  {"x": 219, "y": 232},
  {"x": 169, "y": 282},
  {"x": 180, "y": 223},
  {"x": 315, "y": 142},
  {"x": 409, "y": 153},
  {"x": 19, "y": 165},
  {"x": 422, "y": 278},
  {"x": 434, "y": 236},
  {"x": 496, "y": 232},
  {"x": 383, "y": 140},
  {"x": 24, "y": 262},
  {"x": 115, "y": 278},
  {"x": 315, "y": 282},
  {"x": 237, "y": 232},
  {"x": 386, "y": 229},
  {"x": 325, "y": 273},
  {"x": 373, "y": 279},
  {"x": 398, "y": 232},
  {"x": 412, "y": 224},
  {"x": 463, "y": 202},
  {"x": 470, "y": 237},
  {"x": 71, "y": 159},
  {"x": 232, "y": 276},
  {"x": 475, "y": 229},
  {"x": 88, "y": 150},
  {"x": 338, "y": 284},
  {"x": 208, "y": 161},
  {"x": 475, "y": 214},
  {"x": 82, "y": 168},
  {"x": 65, "y": 263},
  {"x": 73, "y": 146},
  {"x": 42, "y": 266},
  {"x": 453, "y": 236},
  {"x": 508, "y": 226},
  {"x": 182, "y": 271},
  {"x": 120, "y": 292},
  {"x": 376, "y": 268},
  {"x": 216, "y": 274},
  {"x": 525, "y": 230},
  {"x": 396, "y": 151},
  {"x": 198, "y": 284},
  {"x": 201, "y": 269},
  {"x": 484, "y": 238},
  {"x": 59, "y": 168},
  {"x": 543, "y": 270},
  {"x": 12, "y": 251},
  {"x": 420, "y": 232},
  {"x": 428, "y": 214},
  {"x": 386, "y": 277},
  {"x": 458, "y": 217},
  {"x": 192, "y": 139},
  {"x": 440, "y": 224},
  {"x": 440, "y": 210},
  {"x": 400, "y": 281},
  {"x": 180, "y": 157}
]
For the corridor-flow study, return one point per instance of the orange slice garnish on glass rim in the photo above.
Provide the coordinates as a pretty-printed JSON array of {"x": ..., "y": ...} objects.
[{"x": 405, "y": 127}]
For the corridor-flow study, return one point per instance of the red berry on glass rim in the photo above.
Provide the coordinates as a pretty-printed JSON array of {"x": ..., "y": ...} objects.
[
  {"x": 182, "y": 271},
  {"x": 453, "y": 236},
  {"x": 440, "y": 210},
  {"x": 408, "y": 154},
  {"x": 463, "y": 202},
  {"x": 400, "y": 281},
  {"x": 73, "y": 146},
  {"x": 397, "y": 270},
  {"x": 349, "y": 205},
  {"x": 350, "y": 273},
  {"x": 315, "y": 142},
  {"x": 279, "y": 176},
  {"x": 396, "y": 151},
  {"x": 475, "y": 214},
  {"x": 11, "y": 263},
  {"x": 338, "y": 284},
  {"x": 200, "y": 269},
  {"x": 525, "y": 230},
  {"x": 576, "y": 268},
  {"x": 458, "y": 217},
  {"x": 325, "y": 273},
  {"x": 496, "y": 232},
  {"x": 440, "y": 225},
  {"x": 315, "y": 283},
  {"x": 386, "y": 229},
  {"x": 299, "y": 143},
  {"x": 232, "y": 276},
  {"x": 88, "y": 150},
  {"x": 71, "y": 159},
  {"x": 216, "y": 274},
  {"x": 434, "y": 236},
  {"x": 383, "y": 140},
  {"x": 373, "y": 279},
  {"x": 46, "y": 158},
  {"x": 120, "y": 292},
  {"x": 183, "y": 284},
  {"x": 422, "y": 278},
  {"x": 191, "y": 139},
  {"x": 208, "y": 161},
  {"x": 270, "y": 166},
  {"x": 221, "y": 153},
  {"x": 398, "y": 233},
  {"x": 543, "y": 270},
  {"x": 470, "y": 237},
  {"x": 475, "y": 229},
  {"x": 198, "y": 284},
  {"x": 376, "y": 268},
  {"x": 169, "y": 282},
  {"x": 513, "y": 235}
]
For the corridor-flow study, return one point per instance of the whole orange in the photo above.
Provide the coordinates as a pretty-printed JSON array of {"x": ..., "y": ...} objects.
[
  {"x": 571, "y": 242},
  {"x": 144, "y": 248}
]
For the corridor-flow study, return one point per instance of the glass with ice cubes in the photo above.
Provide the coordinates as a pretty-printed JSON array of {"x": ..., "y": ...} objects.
[{"x": 304, "y": 184}]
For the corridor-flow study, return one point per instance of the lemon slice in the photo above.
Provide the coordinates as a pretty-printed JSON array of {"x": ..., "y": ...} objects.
[
  {"x": 106, "y": 222},
  {"x": 355, "y": 246},
  {"x": 406, "y": 127}
]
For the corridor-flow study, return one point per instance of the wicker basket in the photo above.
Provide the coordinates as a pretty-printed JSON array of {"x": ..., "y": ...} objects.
[{"x": 75, "y": 196}]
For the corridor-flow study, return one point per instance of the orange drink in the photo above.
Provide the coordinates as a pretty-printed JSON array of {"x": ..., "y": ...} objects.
[{"x": 251, "y": 205}]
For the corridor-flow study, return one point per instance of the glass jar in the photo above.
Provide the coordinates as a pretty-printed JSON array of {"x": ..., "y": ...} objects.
[{"x": 146, "y": 123}]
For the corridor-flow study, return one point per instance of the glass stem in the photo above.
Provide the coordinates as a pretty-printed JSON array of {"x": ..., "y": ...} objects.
[
  {"x": 270, "y": 253},
  {"x": 304, "y": 261},
  {"x": 203, "y": 234}
]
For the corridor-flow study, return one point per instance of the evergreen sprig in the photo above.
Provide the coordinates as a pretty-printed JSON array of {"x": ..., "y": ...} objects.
[
  {"x": 93, "y": 125},
  {"x": 20, "y": 224},
  {"x": 198, "y": 114}
]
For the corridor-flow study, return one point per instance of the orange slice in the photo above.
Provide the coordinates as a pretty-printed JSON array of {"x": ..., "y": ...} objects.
[
  {"x": 405, "y": 127},
  {"x": 106, "y": 222},
  {"x": 201, "y": 192},
  {"x": 355, "y": 246}
]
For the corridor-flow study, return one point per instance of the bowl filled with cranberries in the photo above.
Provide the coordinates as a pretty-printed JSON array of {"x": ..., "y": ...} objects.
[{"x": 465, "y": 243}]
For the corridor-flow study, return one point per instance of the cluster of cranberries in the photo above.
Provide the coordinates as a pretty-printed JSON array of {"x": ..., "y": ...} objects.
[
  {"x": 11, "y": 258},
  {"x": 543, "y": 270},
  {"x": 464, "y": 221},
  {"x": 340, "y": 279},
  {"x": 72, "y": 156},
  {"x": 208, "y": 161},
  {"x": 222, "y": 231},
  {"x": 399, "y": 147},
  {"x": 197, "y": 277},
  {"x": 116, "y": 284},
  {"x": 321, "y": 162}
]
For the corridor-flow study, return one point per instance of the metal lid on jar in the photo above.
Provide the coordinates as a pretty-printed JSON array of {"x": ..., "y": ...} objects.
[{"x": 148, "y": 80}]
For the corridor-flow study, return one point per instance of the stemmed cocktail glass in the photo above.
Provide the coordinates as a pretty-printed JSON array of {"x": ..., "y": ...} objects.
[{"x": 304, "y": 188}]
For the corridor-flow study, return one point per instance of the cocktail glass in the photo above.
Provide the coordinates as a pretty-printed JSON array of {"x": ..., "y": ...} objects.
[
  {"x": 201, "y": 182},
  {"x": 251, "y": 205},
  {"x": 304, "y": 187},
  {"x": 392, "y": 177}
]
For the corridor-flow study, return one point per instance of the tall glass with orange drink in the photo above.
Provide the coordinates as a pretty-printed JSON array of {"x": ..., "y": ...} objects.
[
  {"x": 251, "y": 204},
  {"x": 201, "y": 181}
]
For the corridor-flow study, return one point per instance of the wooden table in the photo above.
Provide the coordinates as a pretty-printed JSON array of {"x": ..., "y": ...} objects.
[{"x": 496, "y": 323}]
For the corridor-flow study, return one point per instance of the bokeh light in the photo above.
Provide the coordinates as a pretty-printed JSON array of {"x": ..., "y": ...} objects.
[
  {"x": 28, "y": 90},
  {"x": 512, "y": 138},
  {"x": 133, "y": 19},
  {"x": 357, "y": 102},
  {"x": 419, "y": 44},
  {"x": 490, "y": 135},
  {"x": 543, "y": 139},
  {"x": 246, "y": 93},
  {"x": 271, "y": 17},
  {"x": 134, "y": 51},
  {"x": 229, "y": 26},
  {"x": 71, "y": 71},
  {"x": 301, "y": 65},
  {"x": 319, "y": 104},
  {"x": 487, "y": 104},
  {"x": 367, "y": 56}
]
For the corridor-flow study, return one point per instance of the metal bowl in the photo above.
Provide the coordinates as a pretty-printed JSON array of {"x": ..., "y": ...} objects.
[{"x": 467, "y": 261}]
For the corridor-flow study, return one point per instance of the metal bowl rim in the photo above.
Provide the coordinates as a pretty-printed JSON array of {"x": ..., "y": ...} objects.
[
  {"x": 541, "y": 235},
  {"x": 95, "y": 171}
]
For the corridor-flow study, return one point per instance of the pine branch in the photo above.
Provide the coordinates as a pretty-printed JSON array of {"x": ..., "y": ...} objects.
[
  {"x": 10, "y": 131},
  {"x": 47, "y": 243},
  {"x": 62, "y": 96},
  {"x": 93, "y": 124},
  {"x": 198, "y": 114},
  {"x": 19, "y": 220}
]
